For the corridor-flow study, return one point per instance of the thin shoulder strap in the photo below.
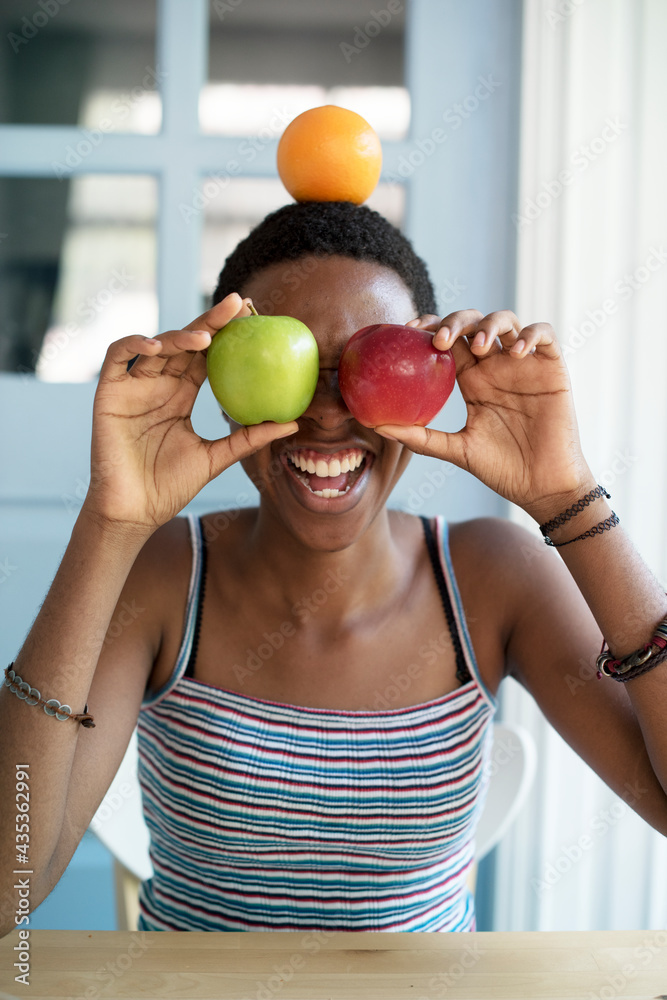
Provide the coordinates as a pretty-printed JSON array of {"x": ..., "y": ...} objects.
[
  {"x": 442, "y": 538},
  {"x": 191, "y": 614},
  {"x": 462, "y": 672},
  {"x": 190, "y": 669}
]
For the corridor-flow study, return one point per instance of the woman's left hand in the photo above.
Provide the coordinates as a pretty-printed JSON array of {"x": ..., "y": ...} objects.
[{"x": 521, "y": 437}]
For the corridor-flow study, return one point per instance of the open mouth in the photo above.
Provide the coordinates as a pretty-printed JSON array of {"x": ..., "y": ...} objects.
[{"x": 328, "y": 476}]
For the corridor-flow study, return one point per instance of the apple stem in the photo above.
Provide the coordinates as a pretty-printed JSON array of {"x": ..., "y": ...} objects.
[{"x": 252, "y": 309}]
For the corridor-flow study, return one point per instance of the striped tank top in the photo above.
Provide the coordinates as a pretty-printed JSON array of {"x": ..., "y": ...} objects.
[{"x": 267, "y": 816}]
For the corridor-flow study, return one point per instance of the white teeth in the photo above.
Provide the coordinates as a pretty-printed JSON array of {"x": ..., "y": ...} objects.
[
  {"x": 329, "y": 494},
  {"x": 324, "y": 468}
]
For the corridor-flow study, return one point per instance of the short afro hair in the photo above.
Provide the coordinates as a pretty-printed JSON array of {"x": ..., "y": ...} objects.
[{"x": 327, "y": 229}]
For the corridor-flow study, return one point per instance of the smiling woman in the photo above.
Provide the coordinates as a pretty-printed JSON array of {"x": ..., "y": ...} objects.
[{"x": 277, "y": 794}]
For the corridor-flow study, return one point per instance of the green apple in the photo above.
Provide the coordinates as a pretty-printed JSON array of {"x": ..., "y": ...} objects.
[{"x": 263, "y": 368}]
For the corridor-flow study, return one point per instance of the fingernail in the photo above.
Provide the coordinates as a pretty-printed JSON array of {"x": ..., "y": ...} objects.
[
  {"x": 151, "y": 340},
  {"x": 444, "y": 333},
  {"x": 518, "y": 347},
  {"x": 288, "y": 430},
  {"x": 479, "y": 340},
  {"x": 389, "y": 437}
]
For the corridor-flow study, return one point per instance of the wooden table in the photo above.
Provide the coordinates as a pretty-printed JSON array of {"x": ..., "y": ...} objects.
[{"x": 323, "y": 966}]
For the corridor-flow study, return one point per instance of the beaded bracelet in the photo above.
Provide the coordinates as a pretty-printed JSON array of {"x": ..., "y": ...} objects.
[
  {"x": 31, "y": 696},
  {"x": 635, "y": 664}
]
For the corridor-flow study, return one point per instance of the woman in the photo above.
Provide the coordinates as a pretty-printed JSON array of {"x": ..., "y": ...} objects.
[{"x": 283, "y": 787}]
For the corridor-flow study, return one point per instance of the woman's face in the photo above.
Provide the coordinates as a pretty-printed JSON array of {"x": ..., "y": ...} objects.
[{"x": 327, "y": 483}]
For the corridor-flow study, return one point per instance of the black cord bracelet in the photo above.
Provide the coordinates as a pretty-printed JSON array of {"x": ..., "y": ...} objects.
[
  {"x": 597, "y": 529},
  {"x": 575, "y": 509}
]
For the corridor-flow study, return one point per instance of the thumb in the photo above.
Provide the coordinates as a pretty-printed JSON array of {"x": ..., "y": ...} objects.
[
  {"x": 246, "y": 441},
  {"x": 425, "y": 441}
]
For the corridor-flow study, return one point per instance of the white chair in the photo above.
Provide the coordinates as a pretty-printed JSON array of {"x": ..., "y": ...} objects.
[
  {"x": 511, "y": 766},
  {"x": 511, "y": 770},
  {"x": 119, "y": 821}
]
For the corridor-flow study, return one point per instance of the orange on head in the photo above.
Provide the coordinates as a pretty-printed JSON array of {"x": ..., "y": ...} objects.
[{"x": 329, "y": 154}]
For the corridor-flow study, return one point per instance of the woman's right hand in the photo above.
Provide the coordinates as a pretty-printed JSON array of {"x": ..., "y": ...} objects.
[{"x": 147, "y": 462}]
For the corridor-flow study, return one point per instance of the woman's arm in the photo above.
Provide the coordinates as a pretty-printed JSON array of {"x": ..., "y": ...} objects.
[
  {"x": 521, "y": 439},
  {"x": 627, "y": 603},
  {"x": 553, "y": 641},
  {"x": 147, "y": 464},
  {"x": 60, "y": 657}
]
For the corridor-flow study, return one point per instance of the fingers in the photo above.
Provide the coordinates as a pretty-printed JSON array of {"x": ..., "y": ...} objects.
[
  {"x": 246, "y": 441},
  {"x": 538, "y": 338},
  {"x": 177, "y": 348},
  {"x": 426, "y": 441},
  {"x": 194, "y": 364},
  {"x": 457, "y": 324},
  {"x": 426, "y": 322},
  {"x": 121, "y": 352},
  {"x": 499, "y": 331},
  {"x": 214, "y": 319}
]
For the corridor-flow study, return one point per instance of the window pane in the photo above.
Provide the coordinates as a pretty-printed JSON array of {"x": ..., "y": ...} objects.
[
  {"x": 243, "y": 203},
  {"x": 266, "y": 57},
  {"x": 84, "y": 63},
  {"x": 77, "y": 271}
]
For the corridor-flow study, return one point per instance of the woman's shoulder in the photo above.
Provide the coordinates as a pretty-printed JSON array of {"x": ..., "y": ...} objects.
[
  {"x": 506, "y": 561},
  {"x": 499, "y": 566},
  {"x": 493, "y": 537}
]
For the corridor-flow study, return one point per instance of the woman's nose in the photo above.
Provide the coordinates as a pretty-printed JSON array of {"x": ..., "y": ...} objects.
[{"x": 327, "y": 407}]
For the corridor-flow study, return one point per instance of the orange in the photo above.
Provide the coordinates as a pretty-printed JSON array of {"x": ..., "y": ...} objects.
[{"x": 329, "y": 154}]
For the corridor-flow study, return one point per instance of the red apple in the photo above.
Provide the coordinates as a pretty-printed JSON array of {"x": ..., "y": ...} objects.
[{"x": 390, "y": 374}]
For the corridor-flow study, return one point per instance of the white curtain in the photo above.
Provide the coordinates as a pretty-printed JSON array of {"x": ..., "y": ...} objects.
[{"x": 592, "y": 260}]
